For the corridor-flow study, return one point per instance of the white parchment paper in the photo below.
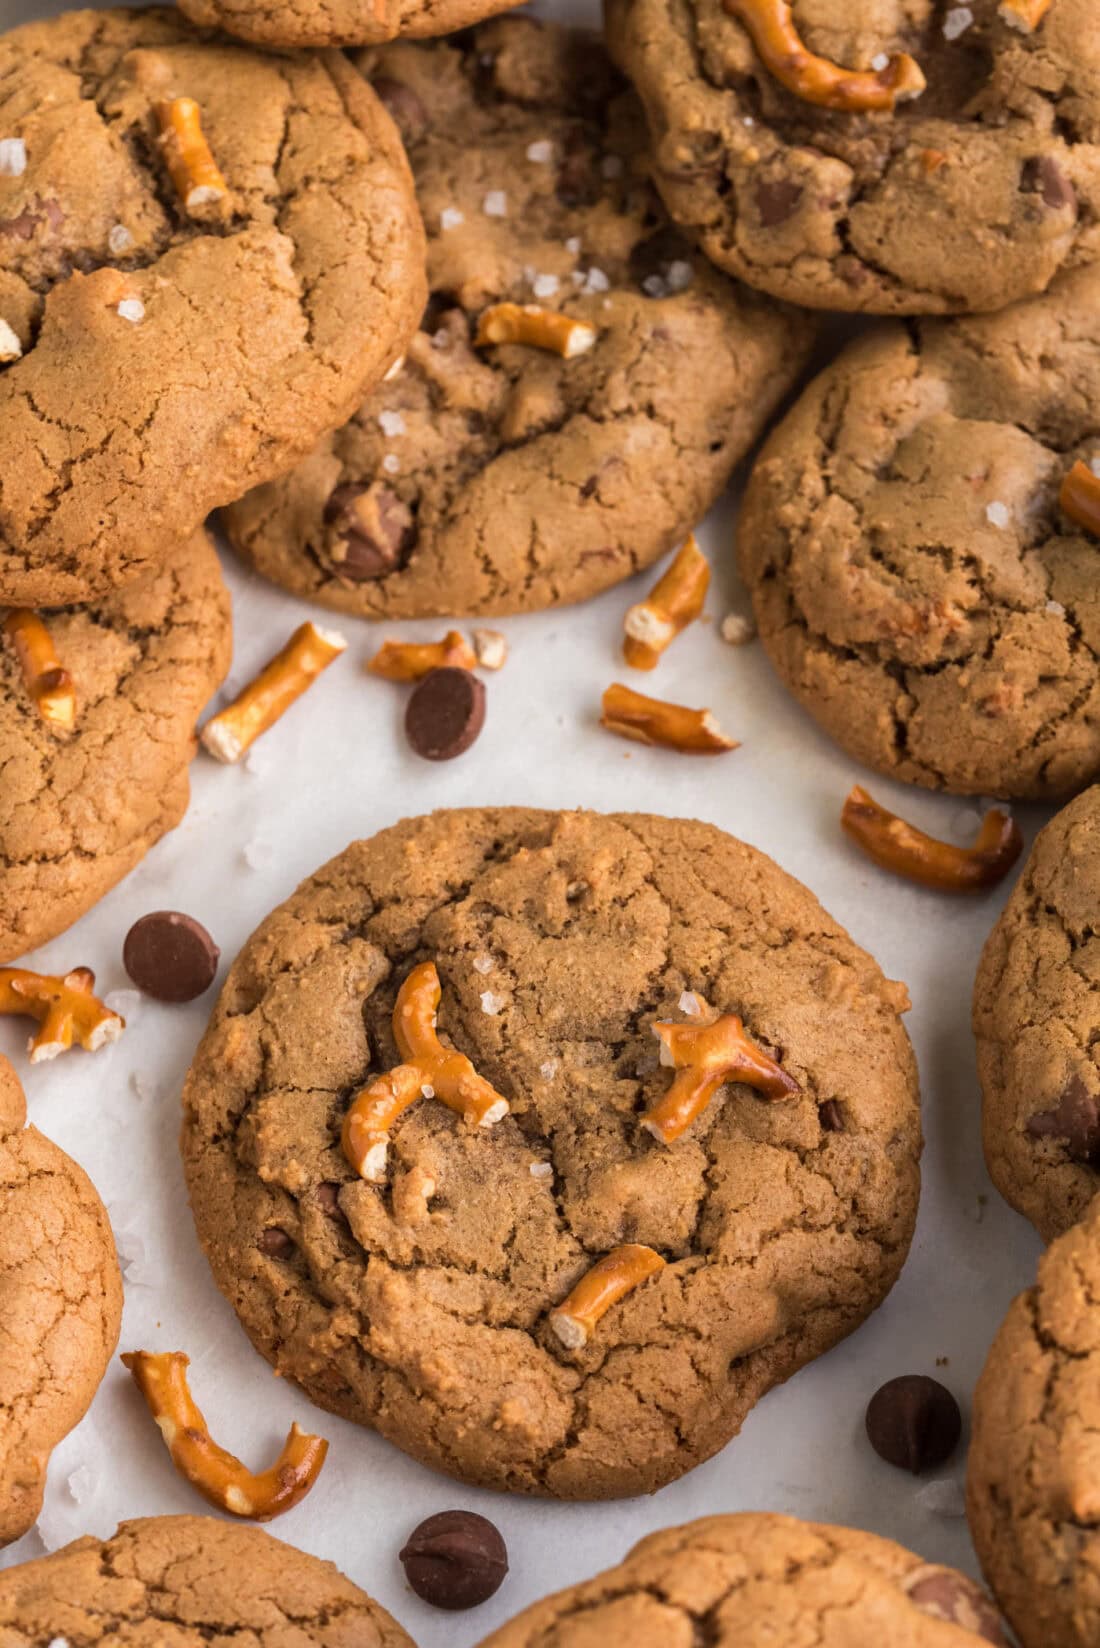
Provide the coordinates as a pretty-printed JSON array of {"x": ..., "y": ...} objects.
[{"x": 337, "y": 767}]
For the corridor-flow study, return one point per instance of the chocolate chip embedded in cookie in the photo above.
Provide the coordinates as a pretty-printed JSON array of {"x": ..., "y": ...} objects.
[
  {"x": 60, "y": 1306},
  {"x": 206, "y": 257},
  {"x": 886, "y": 159},
  {"x": 751, "y": 1581},
  {"x": 81, "y": 804},
  {"x": 915, "y": 582},
  {"x": 1035, "y": 1022},
  {"x": 1033, "y": 1487},
  {"x": 506, "y": 1270},
  {"x": 190, "y": 1579},
  {"x": 582, "y": 383}
]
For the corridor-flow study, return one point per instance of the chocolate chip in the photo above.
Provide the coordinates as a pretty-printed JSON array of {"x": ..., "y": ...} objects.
[
  {"x": 31, "y": 218},
  {"x": 404, "y": 105},
  {"x": 831, "y": 1116},
  {"x": 1075, "y": 1120},
  {"x": 328, "y": 1194},
  {"x": 170, "y": 956},
  {"x": 945, "y": 1594},
  {"x": 1042, "y": 175},
  {"x": 777, "y": 200},
  {"x": 579, "y": 182},
  {"x": 455, "y": 1559},
  {"x": 445, "y": 713},
  {"x": 914, "y": 1422},
  {"x": 654, "y": 255},
  {"x": 276, "y": 1242},
  {"x": 375, "y": 528}
]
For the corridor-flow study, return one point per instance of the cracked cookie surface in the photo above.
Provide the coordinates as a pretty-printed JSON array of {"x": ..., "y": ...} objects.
[
  {"x": 420, "y": 1306},
  {"x": 914, "y": 581},
  {"x": 1034, "y": 1460},
  {"x": 78, "y": 810},
  {"x": 60, "y": 1306},
  {"x": 750, "y": 1581},
  {"x": 248, "y": 326},
  {"x": 506, "y": 478},
  {"x": 180, "y": 1581},
  {"x": 338, "y": 22},
  {"x": 970, "y": 197},
  {"x": 1036, "y": 1012}
]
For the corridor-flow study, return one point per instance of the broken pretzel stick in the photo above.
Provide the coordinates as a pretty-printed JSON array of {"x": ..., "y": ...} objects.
[
  {"x": 707, "y": 1056},
  {"x": 652, "y": 721},
  {"x": 610, "y": 1279},
  {"x": 541, "y": 328},
  {"x": 899, "y": 847},
  {"x": 429, "y": 1068},
  {"x": 308, "y": 652},
  {"x": 50, "y": 687},
  {"x": 219, "y": 1477},
  {"x": 65, "y": 1008},
  {"x": 1080, "y": 497},
  {"x": 191, "y": 166},
  {"x": 815, "y": 79},
  {"x": 10, "y": 347},
  {"x": 674, "y": 602},
  {"x": 410, "y": 660},
  {"x": 1025, "y": 15}
]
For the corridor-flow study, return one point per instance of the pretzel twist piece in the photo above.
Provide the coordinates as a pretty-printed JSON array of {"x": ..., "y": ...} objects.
[
  {"x": 410, "y": 660},
  {"x": 187, "y": 155},
  {"x": 541, "y": 328},
  {"x": 50, "y": 686},
  {"x": 65, "y": 1008},
  {"x": 610, "y": 1279},
  {"x": 282, "y": 680},
  {"x": 653, "y": 721},
  {"x": 707, "y": 1056},
  {"x": 1080, "y": 497},
  {"x": 674, "y": 602},
  {"x": 908, "y": 852},
  {"x": 815, "y": 79}
]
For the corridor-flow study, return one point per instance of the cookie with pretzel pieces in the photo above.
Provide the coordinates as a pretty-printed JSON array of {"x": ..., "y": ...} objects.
[
  {"x": 881, "y": 156},
  {"x": 441, "y": 1171},
  {"x": 489, "y": 476},
  {"x": 207, "y": 256},
  {"x": 97, "y": 729},
  {"x": 60, "y": 1305}
]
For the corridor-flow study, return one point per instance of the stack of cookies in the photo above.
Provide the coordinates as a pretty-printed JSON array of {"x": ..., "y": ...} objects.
[{"x": 545, "y": 1143}]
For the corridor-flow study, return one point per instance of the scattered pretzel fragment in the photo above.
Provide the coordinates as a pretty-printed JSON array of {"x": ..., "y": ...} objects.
[
  {"x": 610, "y": 1279},
  {"x": 674, "y": 602},
  {"x": 1080, "y": 497},
  {"x": 653, "y": 721},
  {"x": 65, "y": 1008},
  {"x": 491, "y": 648},
  {"x": 541, "y": 328},
  {"x": 1025, "y": 15},
  {"x": 50, "y": 687},
  {"x": 898, "y": 846},
  {"x": 430, "y": 1069},
  {"x": 815, "y": 79},
  {"x": 707, "y": 1055},
  {"x": 410, "y": 660},
  {"x": 283, "y": 679},
  {"x": 10, "y": 347},
  {"x": 218, "y": 1476},
  {"x": 191, "y": 166}
]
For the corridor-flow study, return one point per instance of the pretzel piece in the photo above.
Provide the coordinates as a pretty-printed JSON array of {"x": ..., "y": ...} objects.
[
  {"x": 815, "y": 79},
  {"x": 191, "y": 165},
  {"x": 707, "y": 1055},
  {"x": 610, "y": 1279},
  {"x": 283, "y": 679},
  {"x": 1025, "y": 15},
  {"x": 1080, "y": 497},
  {"x": 653, "y": 721},
  {"x": 65, "y": 1008},
  {"x": 907, "y": 851},
  {"x": 409, "y": 660},
  {"x": 429, "y": 1068},
  {"x": 674, "y": 602},
  {"x": 218, "y": 1475},
  {"x": 10, "y": 347},
  {"x": 50, "y": 687},
  {"x": 541, "y": 328}
]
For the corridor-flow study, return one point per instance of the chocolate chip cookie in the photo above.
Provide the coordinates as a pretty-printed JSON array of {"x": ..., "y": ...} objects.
[
  {"x": 489, "y": 476},
  {"x": 206, "y": 257},
  {"x": 973, "y": 190},
  {"x": 338, "y": 22},
  {"x": 751, "y": 1581},
  {"x": 581, "y": 1284},
  {"x": 60, "y": 1306},
  {"x": 189, "y": 1579},
  {"x": 1032, "y": 1498},
  {"x": 1035, "y": 1018},
  {"x": 83, "y": 799},
  {"x": 915, "y": 582}
]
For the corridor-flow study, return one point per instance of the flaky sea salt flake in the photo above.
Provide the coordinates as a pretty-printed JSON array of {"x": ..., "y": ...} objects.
[
  {"x": 450, "y": 217},
  {"x": 483, "y": 964},
  {"x": 13, "y": 157},
  {"x": 691, "y": 1004},
  {"x": 495, "y": 203},
  {"x": 956, "y": 22},
  {"x": 548, "y": 1069},
  {"x": 544, "y": 286},
  {"x": 997, "y": 514},
  {"x": 541, "y": 152},
  {"x": 542, "y": 1170},
  {"x": 943, "y": 1498},
  {"x": 391, "y": 463},
  {"x": 391, "y": 423},
  {"x": 132, "y": 309},
  {"x": 80, "y": 1484},
  {"x": 491, "y": 1004},
  {"x": 119, "y": 240}
]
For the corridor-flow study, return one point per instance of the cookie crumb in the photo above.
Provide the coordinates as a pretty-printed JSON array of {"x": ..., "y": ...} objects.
[
  {"x": 483, "y": 964},
  {"x": 132, "y": 309},
  {"x": 491, "y": 1004},
  {"x": 450, "y": 217},
  {"x": 957, "y": 21},
  {"x": 119, "y": 240},
  {"x": 997, "y": 513},
  {"x": 13, "y": 157},
  {"x": 391, "y": 423},
  {"x": 542, "y": 1170},
  {"x": 10, "y": 347},
  {"x": 737, "y": 630},
  {"x": 495, "y": 203},
  {"x": 491, "y": 648}
]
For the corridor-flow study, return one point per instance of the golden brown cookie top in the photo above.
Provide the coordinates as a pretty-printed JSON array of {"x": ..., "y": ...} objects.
[
  {"x": 338, "y": 22},
  {"x": 206, "y": 255},
  {"x": 445, "y": 1292}
]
